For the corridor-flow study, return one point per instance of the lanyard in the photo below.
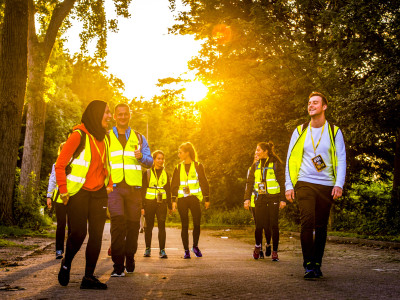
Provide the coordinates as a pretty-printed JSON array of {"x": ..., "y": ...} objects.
[
  {"x": 98, "y": 150},
  {"x": 312, "y": 139},
  {"x": 155, "y": 174},
  {"x": 262, "y": 167}
]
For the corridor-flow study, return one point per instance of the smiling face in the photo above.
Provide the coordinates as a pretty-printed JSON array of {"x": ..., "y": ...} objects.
[
  {"x": 106, "y": 118},
  {"x": 159, "y": 161},
  {"x": 316, "y": 106},
  {"x": 122, "y": 116},
  {"x": 260, "y": 153}
]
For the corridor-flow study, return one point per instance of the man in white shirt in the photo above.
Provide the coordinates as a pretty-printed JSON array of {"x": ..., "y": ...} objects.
[{"x": 315, "y": 175}]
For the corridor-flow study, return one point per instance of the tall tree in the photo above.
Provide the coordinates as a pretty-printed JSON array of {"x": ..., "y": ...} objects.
[
  {"x": 13, "y": 73},
  {"x": 53, "y": 17}
]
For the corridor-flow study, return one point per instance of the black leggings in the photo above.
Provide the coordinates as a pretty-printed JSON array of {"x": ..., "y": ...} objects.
[
  {"x": 86, "y": 210},
  {"x": 267, "y": 233},
  {"x": 184, "y": 204},
  {"x": 267, "y": 213},
  {"x": 315, "y": 202},
  {"x": 61, "y": 214},
  {"x": 153, "y": 209}
]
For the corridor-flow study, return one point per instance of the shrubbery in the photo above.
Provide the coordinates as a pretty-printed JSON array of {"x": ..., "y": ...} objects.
[{"x": 28, "y": 204}]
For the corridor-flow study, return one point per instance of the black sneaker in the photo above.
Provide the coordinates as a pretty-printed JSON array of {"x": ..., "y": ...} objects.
[
  {"x": 309, "y": 271},
  {"x": 261, "y": 254},
  {"x": 63, "y": 275},
  {"x": 130, "y": 264},
  {"x": 116, "y": 273},
  {"x": 92, "y": 283},
  {"x": 267, "y": 250},
  {"x": 317, "y": 271}
]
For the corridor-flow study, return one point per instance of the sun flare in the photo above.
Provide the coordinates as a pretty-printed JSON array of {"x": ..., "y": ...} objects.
[{"x": 195, "y": 91}]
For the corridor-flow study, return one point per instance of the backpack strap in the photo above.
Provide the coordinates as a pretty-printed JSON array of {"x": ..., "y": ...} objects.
[
  {"x": 148, "y": 171},
  {"x": 78, "y": 150},
  {"x": 304, "y": 126}
]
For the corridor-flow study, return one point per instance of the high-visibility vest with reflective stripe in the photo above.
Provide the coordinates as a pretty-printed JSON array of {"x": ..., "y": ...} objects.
[
  {"x": 296, "y": 155},
  {"x": 270, "y": 178},
  {"x": 123, "y": 161},
  {"x": 80, "y": 167},
  {"x": 253, "y": 196},
  {"x": 191, "y": 180},
  {"x": 155, "y": 186},
  {"x": 56, "y": 196}
]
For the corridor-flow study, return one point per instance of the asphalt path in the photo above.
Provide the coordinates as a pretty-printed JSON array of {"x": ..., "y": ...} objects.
[{"x": 226, "y": 270}]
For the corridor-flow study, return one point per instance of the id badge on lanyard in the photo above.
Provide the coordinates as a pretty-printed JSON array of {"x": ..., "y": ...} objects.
[{"x": 318, "y": 163}]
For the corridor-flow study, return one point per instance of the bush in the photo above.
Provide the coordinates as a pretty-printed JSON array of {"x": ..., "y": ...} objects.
[
  {"x": 28, "y": 204},
  {"x": 367, "y": 209}
]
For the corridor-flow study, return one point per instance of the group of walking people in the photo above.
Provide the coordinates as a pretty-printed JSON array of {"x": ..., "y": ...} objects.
[
  {"x": 97, "y": 169},
  {"x": 314, "y": 175}
]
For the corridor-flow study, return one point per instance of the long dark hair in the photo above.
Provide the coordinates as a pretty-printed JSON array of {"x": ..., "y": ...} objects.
[
  {"x": 270, "y": 148},
  {"x": 188, "y": 147}
]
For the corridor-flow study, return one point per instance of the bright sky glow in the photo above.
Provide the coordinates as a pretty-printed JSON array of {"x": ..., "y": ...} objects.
[{"x": 142, "y": 51}]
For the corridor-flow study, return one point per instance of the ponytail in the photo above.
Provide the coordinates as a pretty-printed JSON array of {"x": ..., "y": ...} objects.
[
  {"x": 270, "y": 148},
  {"x": 188, "y": 147}
]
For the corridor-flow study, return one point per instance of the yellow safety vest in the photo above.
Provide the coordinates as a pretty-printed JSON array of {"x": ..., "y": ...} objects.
[
  {"x": 270, "y": 178},
  {"x": 56, "y": 196},
  {"x": 191, "y": 180},
  {"x": 253, "y": 196},
  {"x": 80, "y": 167},
  {"x": 296, "y": 155},
  {"x": 123, "y": 161},
  {"x": 156, "y": 185}
]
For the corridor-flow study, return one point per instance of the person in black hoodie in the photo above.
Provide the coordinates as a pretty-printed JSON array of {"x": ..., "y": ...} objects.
[
  {"x": 156, "y": 195},
  {"x": 267, "y": 177},
  {"x": 189, "y": 186}
]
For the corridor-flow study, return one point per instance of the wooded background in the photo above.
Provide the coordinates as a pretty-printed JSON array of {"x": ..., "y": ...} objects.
[{"x": 260, "y": 60}]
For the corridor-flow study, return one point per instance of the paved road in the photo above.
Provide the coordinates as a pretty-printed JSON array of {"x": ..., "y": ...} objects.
[{"x": 227, "y": 270}]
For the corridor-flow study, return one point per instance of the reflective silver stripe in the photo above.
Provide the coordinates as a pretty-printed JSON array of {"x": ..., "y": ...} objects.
[
  {"x": 117, "y": 166},
  {"x": 80, "y": 162},
  {"x": 133, "y": 167},
  {"x": 155, "y": 187},
  {"x": 116, "y": 153},
  {"x": 129, "y": 153},
  {"x": 270, "y": 180},
  {"x": 154, "y": 194},
  {"x": 272, "y": 188},
  {"x": 188, "y": 182},
  {"x": 180, "y": 192},
  {"x": 74, "y": 178}
]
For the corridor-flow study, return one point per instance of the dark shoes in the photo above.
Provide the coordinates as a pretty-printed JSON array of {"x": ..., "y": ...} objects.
[
  {"x": 309, "y": 271},
  {"x": 59, "y": 254},
  {"x": 63, "y": 275},
  {"x": 312, "y": 271},
  {"x": 163, "y": 254},
  {"x": 187, "y": 254},
  {"x": 116, "y": 273},
  {"x": 92, "y": 283},
  {"x": 261, "y": 254},
  {"x": 267, "y": 250},
  {"x": 317, "y": 270},
  {"x": 197, "y": 251},
  {"x": 130, "y": 264},
  {"x": 147, "y": 252}
]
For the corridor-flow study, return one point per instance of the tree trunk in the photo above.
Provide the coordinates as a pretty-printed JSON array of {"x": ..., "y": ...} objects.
[
  {"x": 35, "y": 125},
  {"x": 396, "y": 171},
  {"x": 13, "y": 73},
  {"x": 38, "y": 57}
]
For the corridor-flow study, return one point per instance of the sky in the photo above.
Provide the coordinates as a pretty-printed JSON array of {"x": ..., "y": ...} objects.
[{"x": 142, "y": 51}]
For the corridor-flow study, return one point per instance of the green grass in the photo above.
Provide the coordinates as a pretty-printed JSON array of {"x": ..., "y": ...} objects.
[
  {"x": 6, "y": 243},
  {"x": 13, "y": 231}
]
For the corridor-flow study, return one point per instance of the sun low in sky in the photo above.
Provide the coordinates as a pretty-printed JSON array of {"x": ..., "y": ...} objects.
[{"x": 142, "y": 51}]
